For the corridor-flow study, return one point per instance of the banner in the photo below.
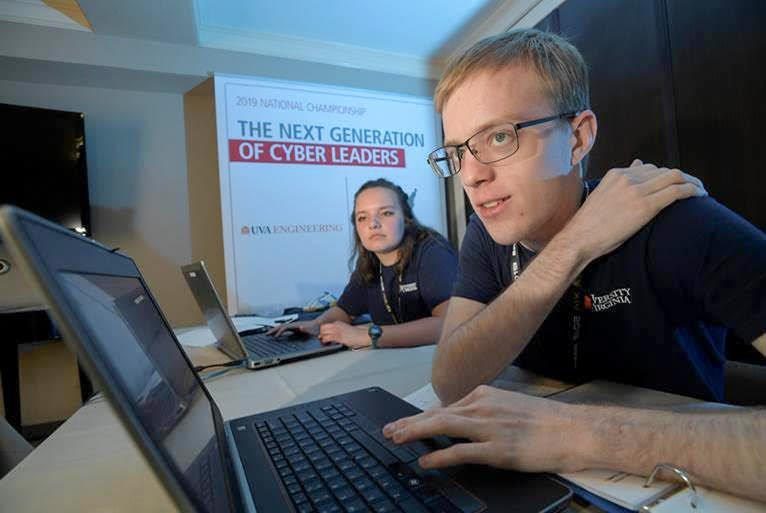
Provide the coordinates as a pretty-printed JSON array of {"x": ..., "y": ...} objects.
[{"x": 291, "y": 157}]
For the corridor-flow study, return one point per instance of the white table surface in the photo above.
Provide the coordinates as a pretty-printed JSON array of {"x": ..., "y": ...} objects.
[{"x": 91, "y": 464}]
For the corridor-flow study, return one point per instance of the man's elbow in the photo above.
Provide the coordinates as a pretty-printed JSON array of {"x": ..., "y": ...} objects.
[{"x": 444, "y": 383}]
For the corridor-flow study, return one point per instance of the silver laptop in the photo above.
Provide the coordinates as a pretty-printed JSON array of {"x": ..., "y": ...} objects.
[
  {"x": 16, "y": 293},
  {"x": 322, "y": 456},
  {"x": 254, "y": 346}
]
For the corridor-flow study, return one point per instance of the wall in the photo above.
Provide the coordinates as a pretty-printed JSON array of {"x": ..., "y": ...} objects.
[
  {"x": 675, "y": 83},
  {"x": 136, "y": 155},
  {"x": 132, "y": 94}
]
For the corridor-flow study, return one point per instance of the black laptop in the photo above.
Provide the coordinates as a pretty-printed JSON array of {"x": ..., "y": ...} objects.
[
  {"x": 257, "y": 349},
  {"x": 323, "y": 456}
]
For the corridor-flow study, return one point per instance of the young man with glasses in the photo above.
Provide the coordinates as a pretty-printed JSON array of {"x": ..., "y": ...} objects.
[{"x": 617, "y": 279}]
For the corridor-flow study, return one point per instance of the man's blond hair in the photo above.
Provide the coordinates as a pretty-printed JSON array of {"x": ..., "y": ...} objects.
[{"x": 557, "y": 62}]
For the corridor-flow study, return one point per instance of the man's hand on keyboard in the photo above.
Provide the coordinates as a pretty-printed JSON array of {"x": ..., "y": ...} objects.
[{"x": 505, "y": 429}]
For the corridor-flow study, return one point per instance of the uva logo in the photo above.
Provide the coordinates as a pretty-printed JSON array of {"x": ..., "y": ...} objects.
[
  {"x": 607, "y": 301},
  {"x": 289, "y": 229}
]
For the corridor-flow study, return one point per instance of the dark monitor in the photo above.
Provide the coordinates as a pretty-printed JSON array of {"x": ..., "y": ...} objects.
[{"x": 42, "y": 164}]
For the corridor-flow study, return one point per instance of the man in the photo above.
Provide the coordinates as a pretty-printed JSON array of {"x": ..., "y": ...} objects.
[{"x": 618, "y": 280}]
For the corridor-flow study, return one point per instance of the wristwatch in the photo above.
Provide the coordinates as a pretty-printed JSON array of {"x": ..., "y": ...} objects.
[{"x": 375, "y": 332}]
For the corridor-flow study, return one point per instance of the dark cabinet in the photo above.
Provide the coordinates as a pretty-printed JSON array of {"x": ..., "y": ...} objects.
[{"x": 678, "y": 83}]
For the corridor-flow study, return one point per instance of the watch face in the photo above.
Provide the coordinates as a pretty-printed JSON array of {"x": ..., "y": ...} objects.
[{"x": 375, "y": 331}]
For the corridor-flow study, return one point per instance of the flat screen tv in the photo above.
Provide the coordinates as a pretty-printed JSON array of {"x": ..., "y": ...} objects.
[{"x": 42, "y": 164}]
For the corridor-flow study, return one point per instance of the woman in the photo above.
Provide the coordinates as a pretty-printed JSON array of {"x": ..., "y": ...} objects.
[{"x": 403, "y": 277}]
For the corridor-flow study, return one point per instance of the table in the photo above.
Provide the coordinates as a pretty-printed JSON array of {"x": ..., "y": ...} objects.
[{"x": 91, "y": 464}]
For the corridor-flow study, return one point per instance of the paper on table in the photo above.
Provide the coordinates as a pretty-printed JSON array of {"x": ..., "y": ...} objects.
[
  {"x": 423, "y": 398},
  {"x": 620, "y": 488},
  {"x": 201, "y": 336},
  {"x": 198, "y": 336},
  {"x": 708, "y": 501}
]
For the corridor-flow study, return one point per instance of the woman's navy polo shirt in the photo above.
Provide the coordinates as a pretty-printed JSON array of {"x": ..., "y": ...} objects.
[{"x": 426, "y": 282}]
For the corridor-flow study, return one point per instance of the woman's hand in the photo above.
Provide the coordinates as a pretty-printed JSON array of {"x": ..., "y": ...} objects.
[
  {"x": 310, "y": 327},
  {"x": 341, "y": 332}
]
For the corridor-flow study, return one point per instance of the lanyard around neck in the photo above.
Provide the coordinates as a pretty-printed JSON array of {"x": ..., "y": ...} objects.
[
  {"x": 385, "y": 297},
  {"x": 576, "y": 294}
]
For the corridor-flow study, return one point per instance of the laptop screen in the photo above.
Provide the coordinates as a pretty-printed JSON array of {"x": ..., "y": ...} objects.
[
  {"x": 215, "y": 316},
  {"x": 134, "y": 342}
]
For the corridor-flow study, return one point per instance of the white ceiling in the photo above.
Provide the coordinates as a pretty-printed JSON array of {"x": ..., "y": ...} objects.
[{"x": 405, "y": 37}]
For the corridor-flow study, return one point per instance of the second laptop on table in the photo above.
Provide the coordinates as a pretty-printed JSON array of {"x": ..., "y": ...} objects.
[{"x": 258, "y": 349}]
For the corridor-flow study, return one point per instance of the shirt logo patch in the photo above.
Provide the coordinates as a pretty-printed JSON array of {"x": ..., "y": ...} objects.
[
  {"x": 408, "y": 287},
  {"x": 595, "y": 303}
]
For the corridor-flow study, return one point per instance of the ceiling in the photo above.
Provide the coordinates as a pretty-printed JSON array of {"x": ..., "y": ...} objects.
[{"x": 405, "y": 37}]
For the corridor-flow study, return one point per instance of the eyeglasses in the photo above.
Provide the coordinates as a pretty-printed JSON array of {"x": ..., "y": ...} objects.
[{"x": 488, "y": 146}]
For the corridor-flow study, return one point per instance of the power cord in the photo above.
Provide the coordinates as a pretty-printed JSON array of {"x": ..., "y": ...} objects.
[{"x": 235, "y": 363}]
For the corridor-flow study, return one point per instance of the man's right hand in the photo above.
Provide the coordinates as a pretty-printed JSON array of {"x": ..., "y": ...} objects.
[
  {"x": 625, "y": 201},
  {"x": 503, "y": 429},
  {"x": 310, "y": 327}
]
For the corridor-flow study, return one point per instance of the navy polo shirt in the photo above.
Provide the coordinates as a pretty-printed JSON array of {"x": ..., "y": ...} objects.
[
  {"x": 656, "y": 310},
  {"x": 426, "y": 282}
]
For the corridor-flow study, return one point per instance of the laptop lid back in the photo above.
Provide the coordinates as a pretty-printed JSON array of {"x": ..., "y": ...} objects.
[
  {"x": 18, "y": 294},
  {"x": 215, "y": 315},
  {"x": 101, "y": 304}
]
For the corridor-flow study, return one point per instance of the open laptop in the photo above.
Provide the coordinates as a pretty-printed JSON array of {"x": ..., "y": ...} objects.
[
  {"x": 323, "y": 456},
  {"x": 257, "y": 349},
  {"x": 16, "y": 293}
]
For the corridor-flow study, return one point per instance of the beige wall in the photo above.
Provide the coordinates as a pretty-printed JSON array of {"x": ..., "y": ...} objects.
[{"x": 136, "y": 154}]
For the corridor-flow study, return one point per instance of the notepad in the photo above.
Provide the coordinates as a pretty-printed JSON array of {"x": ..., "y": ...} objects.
[
  {"x": 623, "y": 489},
  {"x": 708, "y": 501}
]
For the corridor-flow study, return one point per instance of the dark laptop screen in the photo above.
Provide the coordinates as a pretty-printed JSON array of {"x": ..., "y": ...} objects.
[{"x": 134, "y": 341}]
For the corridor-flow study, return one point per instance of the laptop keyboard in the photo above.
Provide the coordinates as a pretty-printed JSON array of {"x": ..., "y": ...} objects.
[
  {"x": 332, "y": 460},
  {"x": 262, "y": 345}
]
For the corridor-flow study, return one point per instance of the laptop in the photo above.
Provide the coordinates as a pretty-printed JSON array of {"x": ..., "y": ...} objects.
[
  {"x": 258, "y": 349},
  {"x": 322, "y": 456},
  {"x": 16, "y": 293}
]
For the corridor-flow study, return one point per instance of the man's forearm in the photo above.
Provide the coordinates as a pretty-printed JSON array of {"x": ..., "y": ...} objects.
[
  {"x": 725, "y": 450},
  {"x": 476, "y": 351}
]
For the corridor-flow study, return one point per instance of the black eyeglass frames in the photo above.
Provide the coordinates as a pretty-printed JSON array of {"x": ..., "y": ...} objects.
[{"x": 488, "y": 145}]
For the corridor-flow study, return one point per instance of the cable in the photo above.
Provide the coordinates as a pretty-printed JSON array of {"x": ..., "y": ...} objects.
[
  {"x": 212, "y": 375},
  {"x": 234, "y": 363}
]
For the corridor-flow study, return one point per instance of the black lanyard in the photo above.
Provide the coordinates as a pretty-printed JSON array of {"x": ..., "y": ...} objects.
[
  {"x": 385, "y": 297},
  {"x": 576, "y": 301}
]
